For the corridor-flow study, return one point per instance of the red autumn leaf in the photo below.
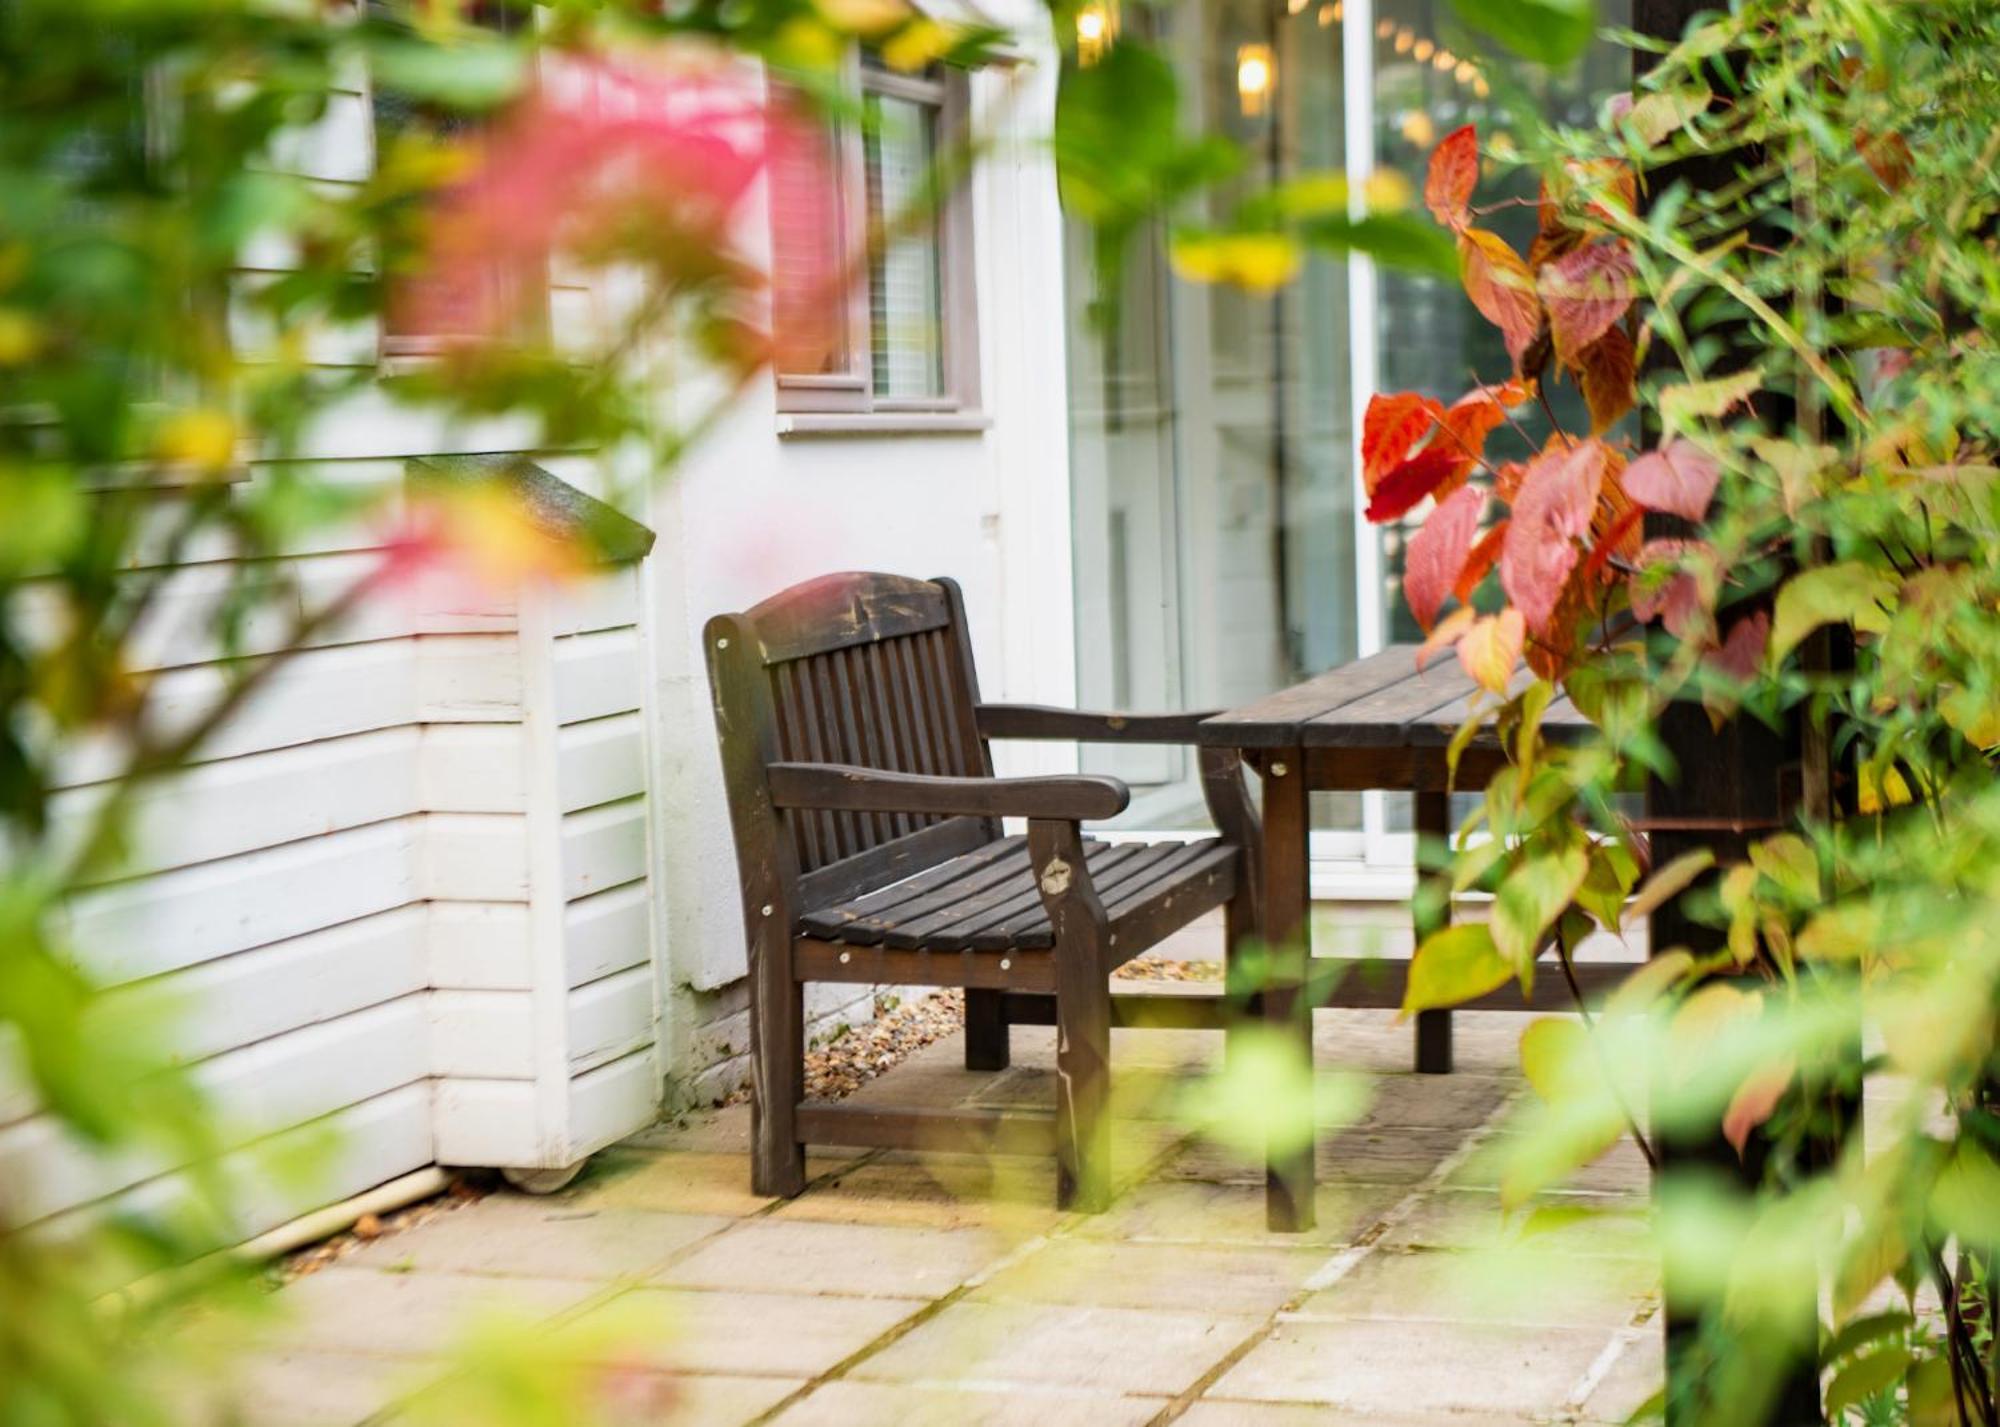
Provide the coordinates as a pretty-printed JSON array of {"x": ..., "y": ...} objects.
[
  {"x": 1552, "y": 512},
  {"x": 1489, "y": 650},
  {"x": 1624, "y": 530},
  {"x": 1606, "y": 373},
  {"x": 1467, "y": 422},
  {"x": 1888, "y": 157},
  {"x": 1742, "y": 653},
  {"x": 1448, "y": 632},
  {"x": 1399, "y": 491},
  {"x": 1549, "y": 655},
  {"x": 1453, "y": 174},
  {"x": 1501, "y": 287},
  {"x": 1756, "y": 1099},
  {"x": 1479, "y": 561},
  {"x": 1437, "y": 552},
  {"x": 1677, "y": 601},
  {"x": 1390, "y": 430},
  {"x": 1678, "y": 479},
  {"x": 1586, "y": 291}
]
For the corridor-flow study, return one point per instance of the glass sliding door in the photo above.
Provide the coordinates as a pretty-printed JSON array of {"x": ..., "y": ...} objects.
[{"x": 1219, "y": 550}]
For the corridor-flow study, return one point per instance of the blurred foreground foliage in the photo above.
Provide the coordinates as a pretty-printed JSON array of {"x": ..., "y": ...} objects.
[{"x": 1789, "y": 234}]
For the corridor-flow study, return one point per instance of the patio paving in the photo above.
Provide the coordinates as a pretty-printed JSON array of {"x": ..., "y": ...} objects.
[{"x": 906, "y": 1288}]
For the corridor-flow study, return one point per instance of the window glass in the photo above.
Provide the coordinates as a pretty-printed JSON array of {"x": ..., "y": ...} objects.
[{"x": 905, "y": 288}]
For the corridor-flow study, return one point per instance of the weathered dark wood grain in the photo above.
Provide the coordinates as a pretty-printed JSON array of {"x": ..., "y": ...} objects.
[
  {"x": 855, "y": 788},
  {"x": 1039, "y": 721},
  {"x": 1083, "y": 1015}
]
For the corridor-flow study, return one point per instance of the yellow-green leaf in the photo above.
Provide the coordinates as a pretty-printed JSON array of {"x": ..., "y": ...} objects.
[
  {"x": 1680, "y": 405},
  {"x": 1670, "y": 881},
  {"x": 1966, "y": 1198},
  {"x": 1864, "y": 1378},
  {"x": 1457, "y": 964},
  {"x": 1532, "y": 897},
  {"x": 1557, "y": 1059},
  {"x": 1789, "y": 860},
  {"x": 1847, "y": 593}
]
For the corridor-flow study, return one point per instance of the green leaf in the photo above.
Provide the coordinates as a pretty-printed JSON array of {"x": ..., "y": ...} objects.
[
  {"x": 1532, "y": 897},
  {"x": 1789, "y": 860},
  {"x": 1864, "y": 1378},
  {"x": 1557, "y": 1059},
  {"x": 1457, "y": 964},
  {"x": 1862, "y": 1331},
  {"x": 1550, "y": 32},
  {"x": 1846, "y": 593},
  {"x": 1680, "y": 405},
  {"x": 1966, "y": 1198}
]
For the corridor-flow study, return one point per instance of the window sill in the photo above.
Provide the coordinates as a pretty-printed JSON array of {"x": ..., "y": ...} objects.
[{"x": 793, "y": 424}]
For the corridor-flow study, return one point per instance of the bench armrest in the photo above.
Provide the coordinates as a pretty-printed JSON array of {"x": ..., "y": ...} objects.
[
  {"x": 1043, "y": 721},
  {"x": 847, "y": 788}
]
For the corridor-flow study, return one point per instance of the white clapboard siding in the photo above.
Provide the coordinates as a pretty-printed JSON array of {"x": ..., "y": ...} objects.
[
  {"x": 600, "y": 762},
  {"x": 606, "y": 1103},
  {"x": 322, "y": 693},
  {"x": 479, "y": 946},
  {"x": 607, "y": 932},
  {"x": 290, "y": 1174},
  {"x": 195, "y": 914},
  {"x": 369, "y": 423},
  {"x": 610, "y": 1018},
  {"x": 603, "y": 847},
  {"x": 269, "y": 991},
  {"x": 258, "y": 1091},
  {"x": 474, "y": 857},
  {"x": 258, "y": 335},
  {"x": 597, "y": 674},
  {"x": 482, "y": 1035},
  {"x": 492, "y": 1122},
  {"x": 468, "y": 678},
  {"x": 237, "y": 805},
  {"x": 473, "y": 768},
  {"x": 605, "y": 600}
]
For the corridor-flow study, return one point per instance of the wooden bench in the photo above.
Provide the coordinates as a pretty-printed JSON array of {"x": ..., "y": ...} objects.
[{"x": 868, "y": 833}]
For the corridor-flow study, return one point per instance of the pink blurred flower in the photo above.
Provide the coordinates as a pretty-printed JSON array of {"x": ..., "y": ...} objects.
[{"x": 606, "y": 161}]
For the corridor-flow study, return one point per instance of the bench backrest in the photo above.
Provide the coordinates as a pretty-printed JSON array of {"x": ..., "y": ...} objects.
[{"x": 857, "y": 668}]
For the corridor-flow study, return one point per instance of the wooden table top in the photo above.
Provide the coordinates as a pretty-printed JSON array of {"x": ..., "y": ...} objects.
[{"x": 1382, "y": 701}]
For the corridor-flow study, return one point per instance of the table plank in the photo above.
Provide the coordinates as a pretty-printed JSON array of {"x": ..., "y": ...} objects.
[
  {"x": 1274, "y": 721},
  {"x": 1383, "y": 719}
]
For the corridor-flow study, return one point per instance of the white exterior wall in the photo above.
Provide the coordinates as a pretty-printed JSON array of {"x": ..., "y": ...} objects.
[
  {"x": 755, "y": 511},
  {"x": 448, "y": 890}
]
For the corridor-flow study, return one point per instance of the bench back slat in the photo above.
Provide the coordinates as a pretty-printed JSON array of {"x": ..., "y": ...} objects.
[{"x": 859, "y": 668}]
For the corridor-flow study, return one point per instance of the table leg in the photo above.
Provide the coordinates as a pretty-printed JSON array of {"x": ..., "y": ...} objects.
[
  {"x": 1287, "y": 1010},
  {"x": 1433, "y": 832}
]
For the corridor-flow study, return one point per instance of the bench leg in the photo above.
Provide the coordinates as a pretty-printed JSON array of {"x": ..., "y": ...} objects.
[
  {"x": 986, "y": 1040},
  {"x": 1083, "y": 1015},
  {"x": 1434, "y": 1027},
  {"x": 777, "y": 1069}
]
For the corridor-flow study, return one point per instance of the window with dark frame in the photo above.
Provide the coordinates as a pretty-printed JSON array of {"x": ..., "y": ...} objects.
[{"x": 872, "y": 278}]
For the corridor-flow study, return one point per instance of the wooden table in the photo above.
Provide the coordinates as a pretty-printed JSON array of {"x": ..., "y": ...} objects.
[{"x": 1378, "y": 723}]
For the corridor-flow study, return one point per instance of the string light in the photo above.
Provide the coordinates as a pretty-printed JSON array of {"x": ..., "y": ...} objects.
[
  {"x": 1421, "y": 51},
  {"x": 1096, "y": 28},
  {"x": 1256, "y": 75},
  {"x": 1404, "y": 39},
  {"x": 1328, "y": 15},
  {"x": 1443, "y": 61},
  {"x": 1384, "y": 29}
]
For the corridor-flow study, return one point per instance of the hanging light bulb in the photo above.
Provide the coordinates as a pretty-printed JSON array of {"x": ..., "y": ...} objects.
[
  {"x": 1096, "y": 28},
  {"x": 1384, "y": 29},
  {"x": 1404, "y": 39},
  {"x": 1256, "y": 76},
  {"x": 1443, "y": 60},
  {"x": 1480, "y": 86},
  {"x": 1466, "y": 72},
  {"x": 1328, "y": 14},
  {"x": 1421, "y": 51},
  {"x": 1296, "y": 7}
]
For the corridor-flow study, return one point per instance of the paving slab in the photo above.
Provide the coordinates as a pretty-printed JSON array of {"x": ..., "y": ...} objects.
[
  {"x": 1013, "y": 1194},
  {"x": 849, "y": 1404},
  {"x": 516, "y": 1235},
  {"x": 419, "y": 1314},
  {"x": 1198, "y": 1211},
  {"x": 1114, "y": 1351},
  {"x": 792, "y": 1335},
  {"x": 1559, "y": 1225},
  {"x": 1234, "y": 1280},
  {"x": 1394, "y": 1367},
  {"x": 1634, "y": 1376},
  {"x": 1550, "y": 1291},
  {"x": 1216, "y": 1413},
  {"x": 1621, "y": 1170},
  {"x": 300, "y": 1389},
  {"x": 677, "y": 1183},
  {"x": 810, "y": 1256}
]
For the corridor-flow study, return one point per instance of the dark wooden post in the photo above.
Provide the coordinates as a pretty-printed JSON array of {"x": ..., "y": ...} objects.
[
  {"x": 1287, "y": 1007},
  {"x": 1433, "y": 912},
  {"x": 1083, "y": 1015}
]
